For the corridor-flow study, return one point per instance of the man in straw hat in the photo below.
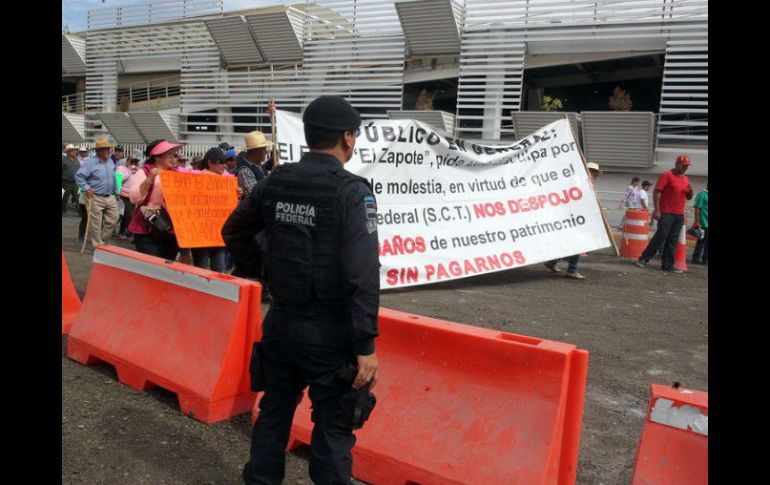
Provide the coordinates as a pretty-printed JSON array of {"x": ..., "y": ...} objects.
[
  {"x": 97, "y": 179},
  {"x": 69, "y": 165},
  {"x": 250, "y": 171}
]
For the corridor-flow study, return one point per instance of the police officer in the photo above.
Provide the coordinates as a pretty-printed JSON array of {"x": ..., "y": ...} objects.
[{"x": 323, "y": 270}]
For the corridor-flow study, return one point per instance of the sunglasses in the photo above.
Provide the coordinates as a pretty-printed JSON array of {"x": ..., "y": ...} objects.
[{"x": 214, "y": 162}]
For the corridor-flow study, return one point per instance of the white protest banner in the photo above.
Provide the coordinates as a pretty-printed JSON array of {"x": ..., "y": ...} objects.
[{"x": 450, "y": 209}]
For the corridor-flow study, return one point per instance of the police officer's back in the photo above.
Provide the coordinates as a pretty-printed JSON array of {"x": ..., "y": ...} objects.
[{"x": 323, "y": 270}]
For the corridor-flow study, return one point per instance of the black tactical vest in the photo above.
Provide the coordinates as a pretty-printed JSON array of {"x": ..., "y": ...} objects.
[{"x": 302, "y": 224}]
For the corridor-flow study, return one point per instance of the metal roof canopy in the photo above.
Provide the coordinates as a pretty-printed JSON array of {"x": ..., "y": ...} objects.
[
  {"x": 278, "y": 34},
  {"x": 73, "y": 55},
  {"x": 436, "y": 118},
  {"x": 234, "y": 40},
  {"x": 122, "y": 127},
  {"x": 430, "y": 26},
  {"x": 73, "y": 127},
  {"x": 158, "y": 124}
]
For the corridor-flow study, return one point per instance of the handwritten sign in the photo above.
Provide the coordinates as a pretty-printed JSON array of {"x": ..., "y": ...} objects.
[{"x": 198, "y": 205}]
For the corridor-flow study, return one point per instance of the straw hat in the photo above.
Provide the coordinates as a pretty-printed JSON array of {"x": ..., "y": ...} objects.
[
  {"x": 70, "y": 147},
  {"x": 593, "y": 166},
  {"x": 256, "y": 139},
  {"x": 103, "y": 143}
]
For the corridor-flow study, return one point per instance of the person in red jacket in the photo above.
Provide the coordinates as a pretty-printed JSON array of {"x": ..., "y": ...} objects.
[{"x": 671, "y": 193}]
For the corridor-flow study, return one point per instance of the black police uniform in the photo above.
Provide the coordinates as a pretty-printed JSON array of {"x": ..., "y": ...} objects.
[{"x": 323, "y": 271}]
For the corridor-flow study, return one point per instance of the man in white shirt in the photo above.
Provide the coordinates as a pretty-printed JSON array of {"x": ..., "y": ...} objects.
[{"x": 640, "y": 197}]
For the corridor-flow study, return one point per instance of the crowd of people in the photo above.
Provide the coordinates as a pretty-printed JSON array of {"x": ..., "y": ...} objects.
[{"x": 120, "y": 195}]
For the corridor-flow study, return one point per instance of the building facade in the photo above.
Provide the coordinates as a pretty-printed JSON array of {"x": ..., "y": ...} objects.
[{"x": 193, "y": 72}]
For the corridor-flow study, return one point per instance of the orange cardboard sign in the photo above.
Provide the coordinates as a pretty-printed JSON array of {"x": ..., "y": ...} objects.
[{"x": 198, "y": 205}]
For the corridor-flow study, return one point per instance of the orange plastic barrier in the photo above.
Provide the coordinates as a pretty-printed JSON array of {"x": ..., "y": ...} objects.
[
  {"x": 70, "y": 301},
  {"x": 636, "y": 232},
  {"x": 673, "y": 449},
  {"x": 167, "y": 324},
  {"x": 458, "y": 404}
]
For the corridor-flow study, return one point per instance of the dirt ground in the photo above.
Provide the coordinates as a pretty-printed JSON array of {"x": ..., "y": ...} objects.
[{"x": 640, "y": 326}]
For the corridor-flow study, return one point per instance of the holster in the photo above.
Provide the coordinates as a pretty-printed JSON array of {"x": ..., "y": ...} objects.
[
  {"x": 356, "y": 405},
  {"x": 257, "y": 368}
]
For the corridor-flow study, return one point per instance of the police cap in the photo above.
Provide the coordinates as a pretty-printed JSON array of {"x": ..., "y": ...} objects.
[{"x": 332, "y": 113}]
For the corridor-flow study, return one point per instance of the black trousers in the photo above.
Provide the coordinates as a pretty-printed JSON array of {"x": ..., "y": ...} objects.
[
  {"x": 128, "y": 213},
  {"x": 70, "y": 193},
  {"x": 165, "y": 248},
  {"x": 701, "y": 252},
  {"x": 298, "y": 352},
  {"x": 667, "y": 236}
]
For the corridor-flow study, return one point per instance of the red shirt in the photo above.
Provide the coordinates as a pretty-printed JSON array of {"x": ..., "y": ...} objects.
[{"x": 673, "y": 189}]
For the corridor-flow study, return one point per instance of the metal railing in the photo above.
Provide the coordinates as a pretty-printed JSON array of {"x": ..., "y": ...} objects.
[
  {"x": 150, "y": 89},
  {"x": 73, "y": 103}
]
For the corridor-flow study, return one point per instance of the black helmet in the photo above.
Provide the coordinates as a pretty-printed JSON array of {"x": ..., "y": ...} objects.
[{"x": 332, "y": 113}]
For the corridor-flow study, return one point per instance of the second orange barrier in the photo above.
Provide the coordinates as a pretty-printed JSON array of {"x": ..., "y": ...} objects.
[{"x": 459, "y": 404}]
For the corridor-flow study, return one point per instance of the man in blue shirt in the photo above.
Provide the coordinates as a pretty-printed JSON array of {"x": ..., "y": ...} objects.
[{"x": 96, "y": 177}]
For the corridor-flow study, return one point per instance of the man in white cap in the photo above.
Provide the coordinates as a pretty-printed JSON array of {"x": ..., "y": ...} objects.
[
  {"x": 69, "y": 165},
  {"x": 82, "y": 155},
  {"x": 97, "y": 179},
  {"x": 572, "y": 261},
  {"x": 250, "y": 173}
]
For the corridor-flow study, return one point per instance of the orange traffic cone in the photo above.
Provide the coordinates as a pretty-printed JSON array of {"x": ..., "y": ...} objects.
[{"x": 680, "y": 256}]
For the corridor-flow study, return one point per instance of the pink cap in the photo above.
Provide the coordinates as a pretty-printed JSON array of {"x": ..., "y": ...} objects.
[{"x": 163, "y": 147}]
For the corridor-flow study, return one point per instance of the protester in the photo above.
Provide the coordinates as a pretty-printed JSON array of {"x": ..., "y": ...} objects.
[
  {"x": 630, "y": 193},
  {"x": 197, "y": 162},
  {"x": 213, "y": 258},
  {"x": 119, "y": 156},
  {"x": 701, "y": 253},
  {"x": 572, "y": 261},
  {"x": 146, "y": 193},
  {"x": 97, "y": 179},
  {"x": 640, "y": 198},
  {"x": 82, "y": 155},
  {"x": 128, "y": 170},
  {"x": 671, "y": 192},
  {"x": 230, "y": 160},
  {"x": 250, "y": 171},
  {"x": 69, "y": 166}
]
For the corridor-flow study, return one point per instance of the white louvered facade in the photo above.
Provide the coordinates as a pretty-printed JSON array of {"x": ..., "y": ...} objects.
[
  {"x": 497, "y": 31},
  {"x": 73, "y": 55},
  {"x": 231, "y": 63}
]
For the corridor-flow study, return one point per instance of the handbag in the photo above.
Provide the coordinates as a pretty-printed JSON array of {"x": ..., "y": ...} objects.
[{"x": 158, "y": 221}]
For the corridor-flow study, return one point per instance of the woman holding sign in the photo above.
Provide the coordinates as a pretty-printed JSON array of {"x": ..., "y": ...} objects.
[
  {"x": 150, "y": 223},
  {"x": 213, "y": 164}
]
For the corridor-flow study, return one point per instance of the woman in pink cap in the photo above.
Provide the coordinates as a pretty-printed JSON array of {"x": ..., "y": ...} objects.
[{"x": 147, "y": 193}]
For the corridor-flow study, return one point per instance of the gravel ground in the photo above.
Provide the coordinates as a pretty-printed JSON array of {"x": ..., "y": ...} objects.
[{"x": 640, "y": 326}]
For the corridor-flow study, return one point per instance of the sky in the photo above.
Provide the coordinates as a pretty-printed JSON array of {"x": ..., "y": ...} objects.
[{"x": 74, "y": 13}]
